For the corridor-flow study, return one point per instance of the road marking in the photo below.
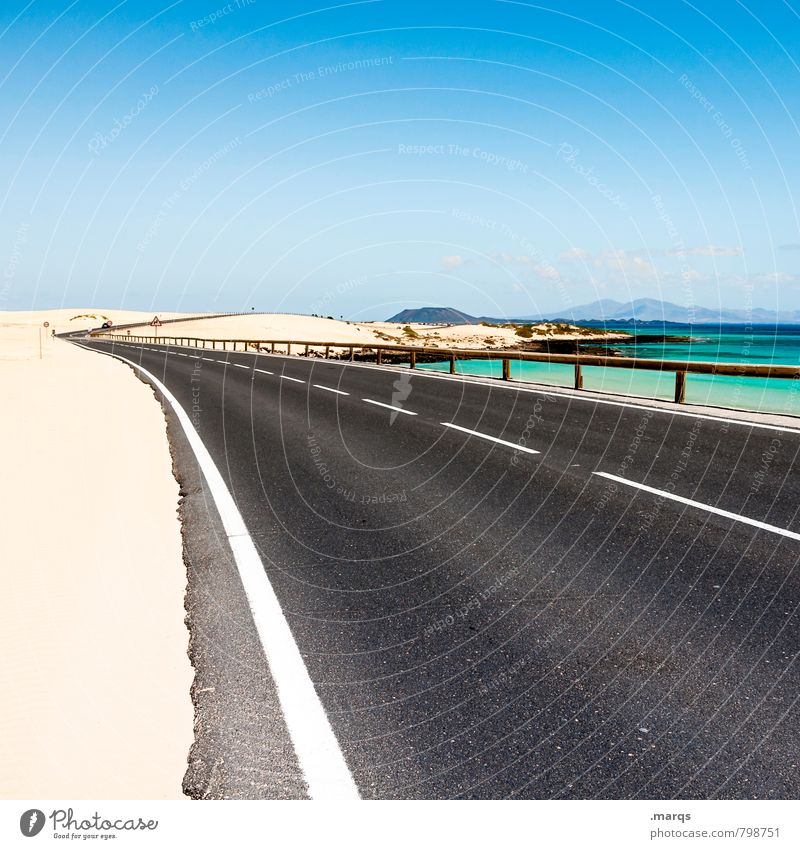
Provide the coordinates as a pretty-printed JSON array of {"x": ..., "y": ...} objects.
[
  {"x": 586, "y": 396},
  {"x": 264, "y": 371},
  {"x": 330, "y": 389},
  {"x": 295, "y": 379},
  {"x": 699, "y": 504},
  {"x": 239, "y": 365},
  {"x": 224, "y": 362},
  {"x": 182, "y": 355},
  {"x": 321, "y": 760},
  {"x": 388, "y": 406},
  {"x": 505, "y": 442}
]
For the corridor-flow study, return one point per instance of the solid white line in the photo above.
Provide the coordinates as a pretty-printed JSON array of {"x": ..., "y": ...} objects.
[
  {"x": 388, "y": 406},
  {"x": 323, "y": 764},
  {"x": 264, "y": 371},
  {"x": 505, "y": 442},
  {"x": 707, "y": 507},
  {"x": 295, "y": 379},
  {"x": 330, "y": 389}
]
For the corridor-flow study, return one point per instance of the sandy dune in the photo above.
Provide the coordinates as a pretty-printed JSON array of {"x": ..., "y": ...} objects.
[
  {"x": 94, "y": 670},
  {"x": 304, "y": 328}
]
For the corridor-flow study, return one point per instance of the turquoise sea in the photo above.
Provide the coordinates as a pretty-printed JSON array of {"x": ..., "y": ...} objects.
[{"x": 765, "y": 344}]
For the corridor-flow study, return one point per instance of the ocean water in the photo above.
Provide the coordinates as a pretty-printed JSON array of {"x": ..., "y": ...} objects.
[{"x": 711, "y": 343}]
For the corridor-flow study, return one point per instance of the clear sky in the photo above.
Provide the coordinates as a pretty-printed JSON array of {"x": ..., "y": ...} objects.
[{"x": 355, "y": 159}]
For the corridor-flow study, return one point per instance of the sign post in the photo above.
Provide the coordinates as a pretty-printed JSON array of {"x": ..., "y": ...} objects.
[{"x": 156, "y": 322}]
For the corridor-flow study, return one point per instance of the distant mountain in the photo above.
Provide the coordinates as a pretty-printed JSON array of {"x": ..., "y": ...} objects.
[
  {"x": 649, "y": 309},
  {"x": 609, "y": 310},
  {"x": 434, "y": 315}
]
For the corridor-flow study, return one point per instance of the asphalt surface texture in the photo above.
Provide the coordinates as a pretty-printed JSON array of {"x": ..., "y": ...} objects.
[{"x": 481, "y": 621}]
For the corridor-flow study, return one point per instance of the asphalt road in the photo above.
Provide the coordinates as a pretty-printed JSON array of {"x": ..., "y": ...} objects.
[{"x": 482, "y": 621}]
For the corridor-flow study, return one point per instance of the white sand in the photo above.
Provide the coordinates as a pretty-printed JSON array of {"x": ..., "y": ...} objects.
[
  {"x": 304, "y": 328},
  {"x": 93, "y": 665}
]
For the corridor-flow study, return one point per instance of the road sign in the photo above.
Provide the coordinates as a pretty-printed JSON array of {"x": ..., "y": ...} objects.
[
  {"x": 47, "y": 324},
  {"x": 156, "y": 322}
]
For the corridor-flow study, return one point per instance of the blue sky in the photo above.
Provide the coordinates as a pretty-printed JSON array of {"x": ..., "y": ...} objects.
[{"x": 355, "y": 159}]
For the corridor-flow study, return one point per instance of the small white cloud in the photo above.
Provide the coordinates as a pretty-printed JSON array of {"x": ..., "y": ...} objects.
[
  {"x": 775, "y": 277},
  {"x": 539, "y": 267},
  {"x": 452, "y": 261},
  {"x": 630, "y": 265},
  {"x": 573, "y": 253},
  {"x": 707, "y": 250}
]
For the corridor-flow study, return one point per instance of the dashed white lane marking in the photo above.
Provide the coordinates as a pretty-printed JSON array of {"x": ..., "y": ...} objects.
[
  {"x": 330, "y": 389},
  {"x": 295, "y": 379},
  {"x": 700, "y": 506},
  {"x": 239, "y": 365},
  {"x": 264, "y": 371},
  {"x": 477, "y": 433},
  {"x": 388, "y": 406},
  {"x": 224, "y": 362},
  {"x": 324, "y": 767}
]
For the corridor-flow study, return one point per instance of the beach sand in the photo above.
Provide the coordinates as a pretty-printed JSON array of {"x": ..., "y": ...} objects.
[
  {"x": 95, "y": 676},
  {"x": 303, "y": 328}
]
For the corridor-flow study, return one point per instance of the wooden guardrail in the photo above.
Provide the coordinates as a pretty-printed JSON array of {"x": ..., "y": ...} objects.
[{"x": 680, "y": 367}]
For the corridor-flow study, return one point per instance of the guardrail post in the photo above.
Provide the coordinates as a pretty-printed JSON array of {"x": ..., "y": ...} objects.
[
  {"x": 351, "y": 353},
  {"x": 306, "y": 354},
  {"x": 288, "y": 347},
  {"x": 327, "y": 351},
  {"x": 413, "y": 359},
  {"x": 452, "y": 363},
  {"x": 273, "y": 347},
  {"x": 506, "y": 369},
  {"x": 578, "y": 376},
  {"x": 680, "y": 387},
  {"x": 379, "y": 357}
]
